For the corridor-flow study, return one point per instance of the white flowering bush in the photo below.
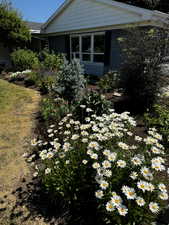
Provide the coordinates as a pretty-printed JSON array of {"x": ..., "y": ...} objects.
[
  {"x": 19, "y": 75},
  {"x": 103, "y": 160}
]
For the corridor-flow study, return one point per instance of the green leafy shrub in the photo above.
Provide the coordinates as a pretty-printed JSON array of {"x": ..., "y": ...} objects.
[
  {"x": 31, "y": 79},
  {"x": 53, "y": 109},
  {"x": 23, "y": 59},
  {"x": 92, "y": 102},
  {"x": 109, "y": 82},
  {"x": 159, "y": 118},
  {"x": 45, "y": 83},
  {"x": 70, "y": 81},
  {"x": 97, "y": 160},
  {"x": 50, "y": 61},
  {"x": 140, "y": 74}
]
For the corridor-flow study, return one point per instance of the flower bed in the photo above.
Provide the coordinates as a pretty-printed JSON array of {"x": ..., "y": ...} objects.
[{"x": 103, "y": 162}]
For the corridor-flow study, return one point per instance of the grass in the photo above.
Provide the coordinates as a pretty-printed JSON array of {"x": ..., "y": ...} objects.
[{"x": 18, "y": 106}]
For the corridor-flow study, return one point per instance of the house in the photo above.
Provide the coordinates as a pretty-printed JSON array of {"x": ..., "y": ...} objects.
[{"x": 89, "y": 29}]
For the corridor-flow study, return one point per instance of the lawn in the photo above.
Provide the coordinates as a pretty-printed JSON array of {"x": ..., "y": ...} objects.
[{"x": 18, "y": 107}]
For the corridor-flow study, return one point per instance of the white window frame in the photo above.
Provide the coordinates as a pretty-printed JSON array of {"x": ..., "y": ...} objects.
[{"x": 92, "y": 53}]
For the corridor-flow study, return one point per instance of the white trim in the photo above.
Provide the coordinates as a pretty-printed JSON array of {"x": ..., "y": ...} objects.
[
  {"x": 92, "y": 53},
  {"x": 145, "y": 14}
]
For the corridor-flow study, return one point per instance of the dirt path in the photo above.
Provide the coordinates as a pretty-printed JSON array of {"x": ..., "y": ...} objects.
[{"x": 17, "y": 120}]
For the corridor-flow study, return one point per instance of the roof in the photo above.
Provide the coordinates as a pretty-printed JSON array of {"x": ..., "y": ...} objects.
[
  {"x": 151, "y": 15},
  {"x": 34, "y": 26}
]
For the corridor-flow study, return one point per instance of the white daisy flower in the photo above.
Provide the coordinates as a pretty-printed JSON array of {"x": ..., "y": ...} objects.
[
  {"x": 162, "y": 187},
  {"x": 129, "y": 192},
  {"x": 123, "y": 145},
  {"x": 107, "y": 173},
  {"x": 121, "y": 163},
  {"x": 142, "y": 185},
  {"x": 140, "y": 201},
  {"x": 134, "y": 175},
  {"x": 122, "y": 210},
  {"x": 163, "y": 196},
  {"x": 104, "y": 184},
  {"x": 75, "y": 137},
  {"x": 106, "y": 164},
  {"x": 94, "y": 156},
  {"x": 136, "y": 161},
  {"x": 84, "y": 162},
  {"x": 116, "y": 200},
  {"x": 47, "y": 171},
  {"x": 110, "y": 207},
  {"x": 154, "y": 208},
  {"x": 137, "y": 138},
  {"x": 50, "y": 155},
  {"x": 106, "y": 152},
  {"x": 99, "y": 194},
  {"x": 96, "y": 165},
  {"x": 112, "y": 156},
  {"x": 34, "y": 142},
  {"x": 84, "y": 140},
  {"x": 94, "y": 145}
]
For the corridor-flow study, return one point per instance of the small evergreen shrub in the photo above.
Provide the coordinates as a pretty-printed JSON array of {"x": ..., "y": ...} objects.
[
  {"x": 23, "y": 59},
  {"x": 70, "y": 81},
  {"x": 102, "y": 161}
]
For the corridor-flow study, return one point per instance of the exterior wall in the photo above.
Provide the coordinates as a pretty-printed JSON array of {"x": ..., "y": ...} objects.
[
  {"x": 94, "y": 68},
  {"x": 85, "y": 14},
  {"x": 58, "y": 44},
  {"x": 4, "y": 55},
  {"x": 115, "y": 51}
]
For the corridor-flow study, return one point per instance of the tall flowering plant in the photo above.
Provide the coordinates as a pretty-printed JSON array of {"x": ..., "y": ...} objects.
[{"x": 125, "y": 173}]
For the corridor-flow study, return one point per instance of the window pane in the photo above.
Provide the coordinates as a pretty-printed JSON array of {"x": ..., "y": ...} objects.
[
  {"x": 85, "y": 57},
  {"x": 99, "y": 43},
  {"x": 75, "y": 44},
  {"x": 75, "y": 55},
  {"x": 99, "y": 58},
  {"x": 86, "y": 44}
]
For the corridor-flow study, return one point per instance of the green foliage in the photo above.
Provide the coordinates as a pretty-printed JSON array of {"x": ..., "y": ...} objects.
[
  {"x": 53, "y": 109},
  {"x": 14, "y": 31},
  {"x": 70, "y": 81},
  {"x": 45, "y": 83},
  {"x": 159, "y": 118},
  {"x": 103, "y": 162},
  {"x": 160, "y": 5},
  {"x": 140, "y": 75},
  {"x": 108, "y": 82},
  {"x": 51, "y": 61},
  {"x": 23, "y": 59},
  {"x": 92, "y": 102}
]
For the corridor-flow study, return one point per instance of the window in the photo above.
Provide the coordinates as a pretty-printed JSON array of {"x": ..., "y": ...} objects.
[{"x": 88, "y": 47}]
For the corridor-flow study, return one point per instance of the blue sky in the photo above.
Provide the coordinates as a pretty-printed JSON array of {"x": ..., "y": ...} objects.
[{"x": 36, "y": 10}]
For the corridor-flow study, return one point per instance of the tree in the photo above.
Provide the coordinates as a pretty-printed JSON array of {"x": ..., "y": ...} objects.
[
  {"x": 13, "y": 30},
  {"x": 161, "y": 5},
  {"x": 141, "y": 74}
]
